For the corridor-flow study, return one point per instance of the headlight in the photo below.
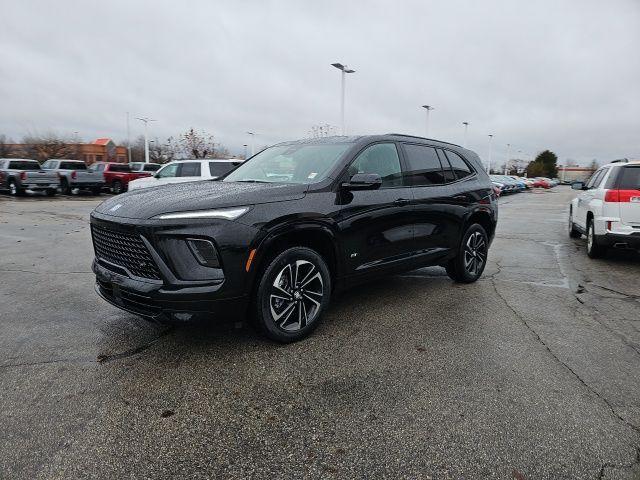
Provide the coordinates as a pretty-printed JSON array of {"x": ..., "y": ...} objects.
[{"x": 226, "y": 213}]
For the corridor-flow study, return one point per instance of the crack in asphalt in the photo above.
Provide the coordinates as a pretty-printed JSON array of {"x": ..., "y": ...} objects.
[
  {"x": 619, "y": 467},
  {"x": 103, "y": 358},
  {"x": 564, "y": 364}
]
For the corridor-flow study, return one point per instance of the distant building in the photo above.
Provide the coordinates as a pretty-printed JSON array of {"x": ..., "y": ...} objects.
[
  {"x": 100, "y": 150},
  {"x": 574, "y": 173}
]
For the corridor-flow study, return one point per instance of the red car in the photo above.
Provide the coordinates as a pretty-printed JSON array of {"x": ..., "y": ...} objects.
[
  {"x": 118, "y": 175},
  {"x": 540, "y": 183}
]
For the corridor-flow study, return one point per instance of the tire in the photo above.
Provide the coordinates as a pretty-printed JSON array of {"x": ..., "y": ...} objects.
[
  {"x": 14, "y": 190},
  {"x": 471, "y": 260},
  {"x": 285, "y": 312},
  {"x": 65, "y": 187},
  {"x": 51, "y": 192},
  {"x": 573, "y": 233},
  {"x": 96, "y": 190},
  {"x": 594, "y": 250},
  {"x": 116, "y": 187}
]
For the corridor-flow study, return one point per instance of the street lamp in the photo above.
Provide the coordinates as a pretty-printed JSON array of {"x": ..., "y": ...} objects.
[
  {"x": 245, "y": 151},
  {"x": 466, "y": 127},
  {"x": 253, "y": 136},
  {"x": 490, "y": 152},
  {"x": 428, "y": 108},
  {"x": 146, "y": 121},
  {"x": 344, "y": 69},
  {"x": 506, "y": 164}
]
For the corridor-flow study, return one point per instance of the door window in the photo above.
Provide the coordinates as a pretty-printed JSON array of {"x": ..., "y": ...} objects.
[
  {"x": 423, "y": 166},
  {"x": 447, "y": 171},
  {"x": 217, "y": 169},
  {"x": 459, "y": 166},
  {"x": 380, "y": 158},
  {"x": 189, "y": 169},
  {"x": 595, "y": 179},
  {"x": 169, "y": 171}
]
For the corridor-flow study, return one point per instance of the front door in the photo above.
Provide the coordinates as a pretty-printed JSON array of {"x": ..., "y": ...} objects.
[{"x": 376, "y": 225}]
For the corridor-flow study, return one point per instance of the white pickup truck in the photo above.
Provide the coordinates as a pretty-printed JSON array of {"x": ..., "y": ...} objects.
[
  {"x": 20, "y": 174},
  {"x": 75, "y": 175}
]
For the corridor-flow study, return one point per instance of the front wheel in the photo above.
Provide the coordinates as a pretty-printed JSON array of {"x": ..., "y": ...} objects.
[
  {"x": 66, "y": 188},
  {"x": 468, "y": 265},
  {"x": 51, "y": 192},
  {"x": 116, "y": 187},
  {"x": 294, "y": 291}
]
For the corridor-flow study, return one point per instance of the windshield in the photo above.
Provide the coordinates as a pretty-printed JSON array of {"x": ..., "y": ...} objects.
[{"x": 298, "y": 163}]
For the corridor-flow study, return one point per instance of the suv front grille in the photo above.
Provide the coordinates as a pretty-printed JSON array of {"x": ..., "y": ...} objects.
[{"x": 126, "y": 250}]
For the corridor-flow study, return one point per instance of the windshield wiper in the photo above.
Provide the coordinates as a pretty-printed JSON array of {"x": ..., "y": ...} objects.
[{"x": 252, "y": 181}]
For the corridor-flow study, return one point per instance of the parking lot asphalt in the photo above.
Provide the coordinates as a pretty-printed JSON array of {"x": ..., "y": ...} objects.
[{"x": 532, "y": 372}]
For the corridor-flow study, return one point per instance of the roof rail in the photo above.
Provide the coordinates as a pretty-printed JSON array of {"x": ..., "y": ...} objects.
[{"x": 423, "y": 138}]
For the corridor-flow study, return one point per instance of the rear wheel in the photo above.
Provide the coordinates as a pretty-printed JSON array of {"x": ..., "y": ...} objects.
[
  {"x": 14, "y": 189},
  {"x": 294, "y": 291},
  {"x": 468, "y": 265},
  {"x": 51, "y": 192},
  {"x": 96, "y": 190},
  {"x": 573, "y": 233},
  {"x": 65, "y": 187},
  {"x": 116, "y": 187},
  {"x": 594, "y": 250}
]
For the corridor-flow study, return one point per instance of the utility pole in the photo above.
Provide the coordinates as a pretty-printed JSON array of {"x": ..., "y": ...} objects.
[
  {"x": 128, "y": 139},
  {"x": 146, "y": 121},
  {"x": 245, "y": 151},
  {"x": 344, "y": 70},
  {"x": 428, "y": 108},
  {"x": 466, "y": 128},
  {"x": 253, "y": 141},
  {"x": 490, "y": 152}
]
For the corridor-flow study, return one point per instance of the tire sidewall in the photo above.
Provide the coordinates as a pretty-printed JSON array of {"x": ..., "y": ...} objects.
[
  {"x": 466, "y": 276},
  {"x": 264, "y": 319}
]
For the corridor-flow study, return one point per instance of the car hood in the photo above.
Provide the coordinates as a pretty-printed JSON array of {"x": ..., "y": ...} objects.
[{"x": 182, "y": 197}]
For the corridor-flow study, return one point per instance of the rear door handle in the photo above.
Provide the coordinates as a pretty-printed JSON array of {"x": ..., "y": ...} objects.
[{"x": 402, "y": 201}]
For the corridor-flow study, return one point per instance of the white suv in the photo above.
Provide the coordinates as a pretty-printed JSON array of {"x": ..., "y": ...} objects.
[
  {"x": 187, "y": 171},
  {"x": 607, "y": 210}
]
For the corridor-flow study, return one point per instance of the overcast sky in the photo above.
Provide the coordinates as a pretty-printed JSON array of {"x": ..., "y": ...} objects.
[{"x": 563, "y": 75}]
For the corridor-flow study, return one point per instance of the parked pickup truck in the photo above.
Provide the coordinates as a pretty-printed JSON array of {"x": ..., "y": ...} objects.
[
  {"x": 20, "y": 174},
  {"x": 117, "y": 175},
  {"x": 75, "y": 174}
]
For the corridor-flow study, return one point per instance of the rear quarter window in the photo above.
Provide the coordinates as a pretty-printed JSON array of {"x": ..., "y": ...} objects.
[
  {"x": 460, "y": 167},
  {"x": 629, "y": 178}
]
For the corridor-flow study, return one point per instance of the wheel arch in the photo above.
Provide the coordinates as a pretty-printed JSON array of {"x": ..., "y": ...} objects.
[{"x": 483, "y": 218}]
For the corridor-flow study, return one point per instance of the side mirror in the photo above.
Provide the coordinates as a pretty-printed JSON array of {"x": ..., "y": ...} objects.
[
  {"x": 578, "y": 186},
  {"x": 363, "y": 181}
]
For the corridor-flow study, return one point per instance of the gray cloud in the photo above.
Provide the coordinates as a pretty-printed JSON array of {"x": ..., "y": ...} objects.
[{"x": 545, "y": 74}]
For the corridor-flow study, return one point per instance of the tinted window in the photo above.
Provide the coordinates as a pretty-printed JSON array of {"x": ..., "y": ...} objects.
[
  {"x": 459, "y": 166},
  {"x": 136, "y": 166},
  {"x": 217, "y": 169},
  {"x": 190, "y": 169},
  {"x": 119, "y": 168},
  {"x": 447, "y": 171},
  {"x": 23, "y": 165},
  {"x": 423, "y": 166},
  {"x": 594, "y": 181},
  {"x": 169, "y": 171},
  {"x": 73, "y": 166},
  {"x": 630, "y": 178},
  {"x": 381, "y": 158},
  {"x": 151, "y": 167}
]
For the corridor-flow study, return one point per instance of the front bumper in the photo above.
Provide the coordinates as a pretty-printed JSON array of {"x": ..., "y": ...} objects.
[{"x": 156, "y": 302}]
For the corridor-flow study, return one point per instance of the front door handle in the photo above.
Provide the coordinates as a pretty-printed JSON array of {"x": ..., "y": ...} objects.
[{"x": 402, "y": 202}]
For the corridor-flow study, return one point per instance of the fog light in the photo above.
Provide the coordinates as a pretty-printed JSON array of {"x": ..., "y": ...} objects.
[{"x": 204, "y": 251}]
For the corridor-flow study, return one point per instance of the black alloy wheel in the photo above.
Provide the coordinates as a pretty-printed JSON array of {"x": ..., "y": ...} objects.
[
  {"x": 294, "y": 291},
  {"x": 468, "y": 265}
]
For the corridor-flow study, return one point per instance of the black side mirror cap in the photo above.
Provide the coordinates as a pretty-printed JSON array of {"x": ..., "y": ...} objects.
[{"x": 363, "y": 181}]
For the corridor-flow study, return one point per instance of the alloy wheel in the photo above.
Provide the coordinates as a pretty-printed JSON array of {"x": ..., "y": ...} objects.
[
  {"x": 475, "y": 253},
  {"x": 590, "y": 237},
  {"x": 296, "y": 296},
  {"x": 13, "y": 189}
]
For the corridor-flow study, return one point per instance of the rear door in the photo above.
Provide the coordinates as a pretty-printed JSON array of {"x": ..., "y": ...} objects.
[
  {"x": 585, "y": 198},
  {"x": 435, "y": 224},
  {"x": 376, "y": 225},
  {"x": 629, "y": 195}
]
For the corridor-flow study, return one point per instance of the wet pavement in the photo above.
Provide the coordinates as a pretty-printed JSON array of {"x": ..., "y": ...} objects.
[{"x": 532, "y": 372}]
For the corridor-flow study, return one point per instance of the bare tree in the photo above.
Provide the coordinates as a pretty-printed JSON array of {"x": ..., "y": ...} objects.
[
  {"x": 48, "y": 146},
  {"x": 6, "y": 148},
  {"x": 323, "y": 130},
  {"x": 160, "y": 152}
]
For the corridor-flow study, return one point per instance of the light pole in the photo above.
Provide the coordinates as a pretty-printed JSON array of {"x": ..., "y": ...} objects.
[
  {"x": 466, "y": 127},
  {"x": 245, "y": 151},
  {"x": 146, "y": 121},
  {"x": 506, "y": 164},
  {"x": 428, "y": 108},
  {"x": 490, "y": 152},
  {"x": 128, "y": 139},
  {"x": 344, "y": 69},
  {"x": 253, "y": 137}
]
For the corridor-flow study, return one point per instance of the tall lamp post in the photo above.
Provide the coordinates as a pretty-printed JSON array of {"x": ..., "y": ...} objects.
[
  {"x": 253, "y": 136},
  {"x": 146, "y": 121},
  {"x": 490, "y": 152},
  {"x": 344, "y": 69},
  {"x": 506, "y": 164},
  {"x": 428, "y": 108},
  {"x": 466, "y": 128}
]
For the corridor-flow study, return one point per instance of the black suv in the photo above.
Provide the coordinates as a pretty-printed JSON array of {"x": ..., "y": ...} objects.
[{"x": 297, "y": 222}]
